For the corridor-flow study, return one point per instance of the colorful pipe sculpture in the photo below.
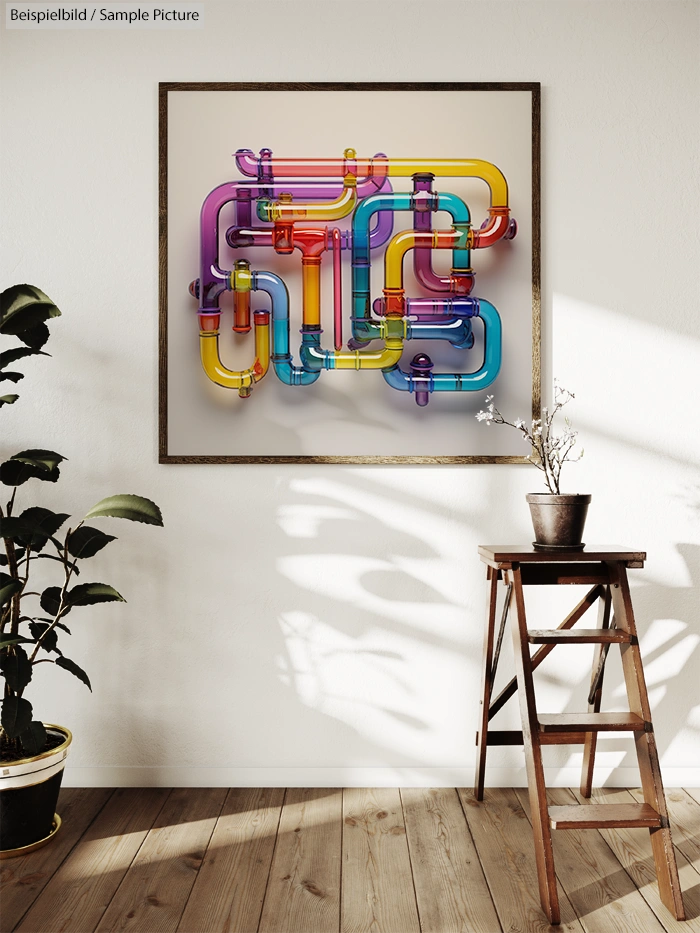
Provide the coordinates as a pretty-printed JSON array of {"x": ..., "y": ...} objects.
[{"x": 296, "y": 203}]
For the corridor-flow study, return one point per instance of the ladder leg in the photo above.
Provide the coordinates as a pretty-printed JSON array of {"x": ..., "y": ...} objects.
[
  {"x": 594, "y": 699},
  {"x": 645, "y": 742},
  {"x": 486, "y": 683},
  {"x": 549, "y": 897}
]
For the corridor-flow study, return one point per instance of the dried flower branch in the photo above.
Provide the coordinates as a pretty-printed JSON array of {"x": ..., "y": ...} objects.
[{"x": 550, "y": 451}]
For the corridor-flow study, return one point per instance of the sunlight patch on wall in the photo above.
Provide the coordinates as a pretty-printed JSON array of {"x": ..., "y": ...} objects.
[
  {"x": 641, "y": 410},
  {"x": 342, "y": 578},
  {"x": 365, "y": 682},
  {"x": 305, "y": 520}
]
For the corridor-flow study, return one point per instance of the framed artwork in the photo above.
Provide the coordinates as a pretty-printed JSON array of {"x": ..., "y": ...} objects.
[{"x": 347, "y": 270}]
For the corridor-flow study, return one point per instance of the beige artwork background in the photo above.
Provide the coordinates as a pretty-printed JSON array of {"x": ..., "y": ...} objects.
[{"x": 345, "y": 413}]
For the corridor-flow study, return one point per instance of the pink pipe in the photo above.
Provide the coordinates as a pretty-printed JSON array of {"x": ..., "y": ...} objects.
[
  {"x": 497, "y": 227},
  {"x": 374, "y": 170},
  {"x": 337, "y": 291}
]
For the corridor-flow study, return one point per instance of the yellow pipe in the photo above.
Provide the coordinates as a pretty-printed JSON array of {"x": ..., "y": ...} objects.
[
  {"x": 456, "y": 168},
  {"x": 246, "y": 378},
  {"x": 406, "y": 240},
  {"x": 323, "y": 211},
  {"x": 371, "y": 359},
  {"x": 311, "y": 292}
]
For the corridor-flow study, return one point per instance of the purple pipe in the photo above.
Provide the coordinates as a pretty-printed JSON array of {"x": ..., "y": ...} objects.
[
  {"x": 212, "y": 279},
  {"x": 422, "y": 261}
]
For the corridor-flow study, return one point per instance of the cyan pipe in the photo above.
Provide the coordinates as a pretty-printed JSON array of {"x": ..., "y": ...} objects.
[
  {"x": 363, "y": 328},
  {"x": 459, "y": 382},
  {"x": 281, "y": 358}
]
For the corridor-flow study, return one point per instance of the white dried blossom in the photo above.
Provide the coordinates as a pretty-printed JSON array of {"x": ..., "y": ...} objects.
[{"x": 549, "y": 451}]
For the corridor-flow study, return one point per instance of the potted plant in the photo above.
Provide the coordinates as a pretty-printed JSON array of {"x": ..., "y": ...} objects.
[
  {"x": 32, "y": 753},
  {"x": 558, "y": 518}
]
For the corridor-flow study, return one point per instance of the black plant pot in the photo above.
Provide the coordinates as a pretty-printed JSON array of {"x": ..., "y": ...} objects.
[
  {"x": 558, "y": 520},
  {"x": 29, "y": 791}
]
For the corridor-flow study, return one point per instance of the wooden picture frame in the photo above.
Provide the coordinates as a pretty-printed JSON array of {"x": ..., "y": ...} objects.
[{"x": 196, "y": 424}]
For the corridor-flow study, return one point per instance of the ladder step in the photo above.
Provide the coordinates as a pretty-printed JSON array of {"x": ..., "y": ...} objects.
[
  {"x": 592, "y": 722},
  {"x": 604, "y": 816},
  {"x": 582, "y": 636}
]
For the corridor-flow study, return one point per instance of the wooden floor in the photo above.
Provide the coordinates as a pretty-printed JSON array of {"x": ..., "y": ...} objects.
[{"x": 321, "y": 860}]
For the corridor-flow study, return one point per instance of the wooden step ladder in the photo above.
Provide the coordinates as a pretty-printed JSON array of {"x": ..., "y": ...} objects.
[{"x": 605, "y": 570}]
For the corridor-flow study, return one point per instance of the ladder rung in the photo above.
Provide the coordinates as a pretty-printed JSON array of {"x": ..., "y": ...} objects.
[
  {"x": 604, "y": 816},
  {"x": 592, "y": 722},
  {"x": 582, "y": 636},
  {"x": 502, "y": 737}
]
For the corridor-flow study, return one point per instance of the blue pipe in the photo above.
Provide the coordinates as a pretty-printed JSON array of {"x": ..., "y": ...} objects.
[
  {"x": 281, "y": 358},
  {"x": 458, "y": 382}
]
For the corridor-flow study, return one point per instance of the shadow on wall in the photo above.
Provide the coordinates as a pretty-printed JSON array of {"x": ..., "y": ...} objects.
[
  {"x": 376, "y": 629},
  {"x": 350, "y": 607}
]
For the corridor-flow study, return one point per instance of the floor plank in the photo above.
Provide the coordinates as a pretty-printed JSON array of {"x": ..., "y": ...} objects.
[
  {"x": 684, "y": 814},
  {"x": 451, "y": 890},
  {"x": 503, "y": 837},
  {"x": 602, "y": 893},
  {"x": 23, "y": 879},
  {"x": 378, "y": 895},
  {"x": 632, "y": 848},
  {"x": 303, "y": 892},
  {"x": 154, "y": 892},
  {"x": 228, "y": 893},
  {"x": 80, "y": 891},
  {"x": 323, "y": 861}
]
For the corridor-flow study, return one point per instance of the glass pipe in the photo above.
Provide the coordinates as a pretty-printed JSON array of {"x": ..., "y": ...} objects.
[
  {"x": 458, "y": 382},
  {"x": 245, "y": 379},
  {"x": 212, "y": 278},
  {"x": 261, "y": 168},
  {"x": 394, "y": 331},
  {"x": 461, "y": 281},
  {"x": 337, "y": 292},
  {"x": 363, "y": 329},
  {"x": 278, "y": 168},
  {"x": 286, "y": 208},
  {"x": 456, "y": 238},
  {"x": 285, "y": 370}
]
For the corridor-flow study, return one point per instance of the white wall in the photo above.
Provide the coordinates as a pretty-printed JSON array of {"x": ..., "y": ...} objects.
[{"x": 301, "y": 624}]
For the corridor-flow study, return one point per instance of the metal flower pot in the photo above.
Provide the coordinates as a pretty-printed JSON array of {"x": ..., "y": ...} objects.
[
  {"x": 558, "y": 520},
  {"x": 29, "y": 791}
]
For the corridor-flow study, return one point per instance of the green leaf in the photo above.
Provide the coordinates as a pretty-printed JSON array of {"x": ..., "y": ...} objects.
[
  {"x": 51, "y": 599},
  {"x": 33, "y": 738},
  {"x": 12, "y": 377},
  {"x": 16, "y": 715},
  {"x": 8, "y": 588},
  {"x": 135, "y": 508},
  {"x": 71, "y": 666},
  {"x": 31, "y": 464},
  {"x": 23, "y": 307},
  {"x": 8, "y": 399},
  {"x": 86, "y": 541},
  {"x": 35, "y": 337},
  {"x": 46, "y": 460},
  {"x": 87, "y": 594},
  {"x": 6, "y": 640},
  {"x": 18, "y": 353},
  {"x": 16, "y": 668},
  {"x": 50, "y": 643},
  {"x": 43, "y": 524}
]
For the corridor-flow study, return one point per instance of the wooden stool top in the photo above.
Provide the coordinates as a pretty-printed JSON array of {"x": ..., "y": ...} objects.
[{"x": 502, "y": 555}]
